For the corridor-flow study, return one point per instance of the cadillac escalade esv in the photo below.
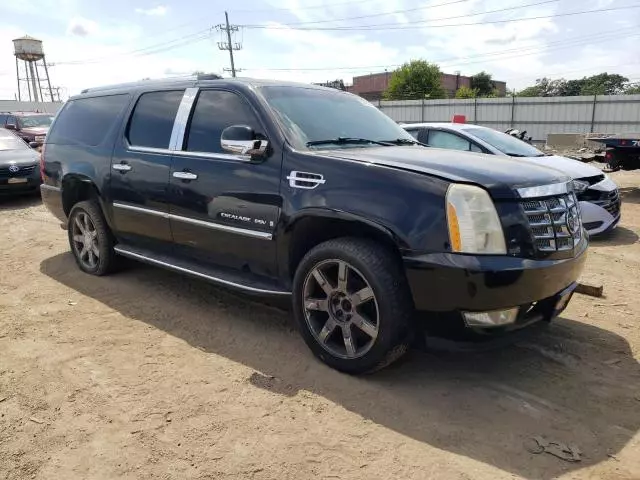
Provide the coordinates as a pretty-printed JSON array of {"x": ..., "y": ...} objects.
[{"x": 311, "y": 193}]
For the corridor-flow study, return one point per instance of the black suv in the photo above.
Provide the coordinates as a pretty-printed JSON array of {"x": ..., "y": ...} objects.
[{"x": 309, "y": 192}]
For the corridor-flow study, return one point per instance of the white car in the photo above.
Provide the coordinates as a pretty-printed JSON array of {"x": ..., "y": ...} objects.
[{"x": 597, "y": 193}]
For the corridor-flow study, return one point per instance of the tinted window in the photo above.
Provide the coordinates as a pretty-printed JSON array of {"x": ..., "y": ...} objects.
[
  {"x": 423, "y": 136},
  {"x": 153, "y": 117},
  {"x": 414, "y": 133},
  {"x": 12, "y": 120},
  {"x": 86, "y": 121},
  {"x": 505, "y": 143},
  {"x": 3, "y": 119},
  {"x": 447, "y": 140},
  {"x": 216, "y": 110},
  {"x": 35, "y": 121},
  {"x": 311, "y": 114}
]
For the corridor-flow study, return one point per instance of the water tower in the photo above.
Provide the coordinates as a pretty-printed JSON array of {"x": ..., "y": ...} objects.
[{"x": 30, "y": 55}]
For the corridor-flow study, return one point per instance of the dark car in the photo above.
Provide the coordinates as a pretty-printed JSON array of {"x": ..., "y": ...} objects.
[
  {"x": 19, "y": 170},
  {"x": 31, "y": 127},
  {"x": 312, "y": 194}
]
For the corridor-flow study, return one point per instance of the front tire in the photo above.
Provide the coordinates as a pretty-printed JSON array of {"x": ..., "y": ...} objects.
[
  {"x": 352, "y": 305},
  {"x": 90, "y": 239}
]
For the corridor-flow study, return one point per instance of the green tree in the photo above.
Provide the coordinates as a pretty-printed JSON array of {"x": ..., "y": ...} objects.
[
  {"x": 604, "y": 84},
  {"x": 415, "y": 80},
  {"x": 483, "y": 84},
  {"x": 466, "y": 92},
  {"x": 632, "y": 89}
]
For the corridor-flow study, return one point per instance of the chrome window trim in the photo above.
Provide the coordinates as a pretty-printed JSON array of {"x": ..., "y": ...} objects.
[
  {"x": 545, "y": 190},
  {"x": 137, "y": 256},
  {"x": 217, "y": 156},
  {"x": 201, "y": 223},
  {"x": 132, "y": 148},
  {"x": 182, "y": 117}
]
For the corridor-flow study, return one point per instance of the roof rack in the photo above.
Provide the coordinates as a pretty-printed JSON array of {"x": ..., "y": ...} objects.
[{"x": 193, "y": 78}]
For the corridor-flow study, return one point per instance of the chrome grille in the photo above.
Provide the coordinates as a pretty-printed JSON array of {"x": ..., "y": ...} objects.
[
  {"x": 610, "y": 201},
  {"x": 22, "y": 171},
  {"x": 554, "y": 222}
]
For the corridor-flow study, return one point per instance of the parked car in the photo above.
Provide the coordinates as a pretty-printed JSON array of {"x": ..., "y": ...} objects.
[
  {"x": 18, "y": 165},
  {"x": 311, "y": 194},
  {"x": 31, "y": 127},
  {"x": 597, "y": 193}
]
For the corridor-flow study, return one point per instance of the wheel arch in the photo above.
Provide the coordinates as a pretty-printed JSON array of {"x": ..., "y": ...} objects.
[
  {"x": 77, "y": 187},
  {"x": 316, "y": 225}
]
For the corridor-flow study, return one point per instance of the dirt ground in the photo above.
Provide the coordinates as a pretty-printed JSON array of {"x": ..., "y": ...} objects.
[{"x": 148, "y": 375}]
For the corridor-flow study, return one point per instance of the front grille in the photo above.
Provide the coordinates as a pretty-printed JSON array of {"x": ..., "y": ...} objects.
[
  {"x": 610, "y": 201},
  {"x": 554, "y": 222},
  {"x": 21, "y": 172}
]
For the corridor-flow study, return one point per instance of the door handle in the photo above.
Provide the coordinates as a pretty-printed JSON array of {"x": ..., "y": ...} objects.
[
  {"x": 185, "y": 175},
  {"x": 121, "y": 167}
]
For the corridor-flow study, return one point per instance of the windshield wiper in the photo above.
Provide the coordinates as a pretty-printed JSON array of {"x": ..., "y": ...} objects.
[
  {"x": 347, "y": 140},
  {"x": 405, "y": 141},
  {"x": 511, "y": 154}
]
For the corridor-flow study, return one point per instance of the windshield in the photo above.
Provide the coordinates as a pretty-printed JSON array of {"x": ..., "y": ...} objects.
[
  {"x": 35, "y": 121},
  {"x": 505, "y": 143},
  {"x": 314, "y": 115},
  {"x": 11, "y": 142}
]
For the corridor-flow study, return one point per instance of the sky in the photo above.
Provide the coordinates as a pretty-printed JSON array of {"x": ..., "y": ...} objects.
[{"x": 98, "y": 43}]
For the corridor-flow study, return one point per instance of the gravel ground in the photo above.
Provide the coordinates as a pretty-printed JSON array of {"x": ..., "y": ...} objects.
[{"x": 148, "y": 375}]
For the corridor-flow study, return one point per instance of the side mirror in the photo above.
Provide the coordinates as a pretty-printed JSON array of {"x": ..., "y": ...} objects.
[
  {"x": 34, "y": 144},
  {"x": 241, "y": 139},
  {"x": 11, "y": 126}
]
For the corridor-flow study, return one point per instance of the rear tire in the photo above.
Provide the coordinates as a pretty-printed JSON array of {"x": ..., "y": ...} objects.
[
  {"x": 352, "y": 305},
  {"x": 90, "y": 239}
]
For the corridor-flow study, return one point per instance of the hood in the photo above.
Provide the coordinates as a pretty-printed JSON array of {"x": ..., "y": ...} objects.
[
  {"x": 35, "y": 130},
  {"x": 499, "y": 175},
  {"x": 25, "y": 156},
  {"x": 573, "y": 168}
]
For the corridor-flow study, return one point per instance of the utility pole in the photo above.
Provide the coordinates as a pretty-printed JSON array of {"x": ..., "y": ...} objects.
[{"x": 229, "y": 45}]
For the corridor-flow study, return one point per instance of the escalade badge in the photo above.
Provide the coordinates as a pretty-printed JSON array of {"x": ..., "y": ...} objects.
[{"x": 14, "y": 168}]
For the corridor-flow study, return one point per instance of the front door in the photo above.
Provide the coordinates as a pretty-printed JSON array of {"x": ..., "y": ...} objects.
[
  {"x": 224, "y": 207},
  {"x": 140, "y": 172}
]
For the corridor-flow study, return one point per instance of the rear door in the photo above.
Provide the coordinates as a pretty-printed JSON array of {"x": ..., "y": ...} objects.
[
  {"x": 224, "y": 207},
  {"x": 140, "y": 171}
]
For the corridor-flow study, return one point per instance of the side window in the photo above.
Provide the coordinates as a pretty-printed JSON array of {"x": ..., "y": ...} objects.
[
  {"x": 476, "y": 148},
  {"x": 87, "y": 121},
  {"x": 423, "y": 136},
  {"x": 216, "y": 110},
  {"x": 152, "y": 120},
  {"x": 12, "y": 120},
  {"x": 448, "y": 140},
  {"x": 413, "y": 133},
  {"x": 3, "y": 120}
]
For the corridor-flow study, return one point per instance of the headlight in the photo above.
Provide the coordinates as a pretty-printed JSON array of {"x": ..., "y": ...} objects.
[
  {"x": 580, "y": 185},
  {"x": 474, "y": 226}
]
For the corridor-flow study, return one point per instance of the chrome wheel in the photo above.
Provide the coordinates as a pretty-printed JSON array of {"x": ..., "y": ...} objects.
[
  {"x": 340, "y": 309},
  {"x": 85, "y": 240}
]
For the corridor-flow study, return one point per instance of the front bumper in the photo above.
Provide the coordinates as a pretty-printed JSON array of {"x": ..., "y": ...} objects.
[{"x": 446, "y": 284}]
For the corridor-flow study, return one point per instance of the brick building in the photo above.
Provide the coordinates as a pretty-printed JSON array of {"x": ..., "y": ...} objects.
[{"x": 372, "y": 86}]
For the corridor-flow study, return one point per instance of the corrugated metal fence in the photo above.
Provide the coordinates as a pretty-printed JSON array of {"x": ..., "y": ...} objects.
[
  {"x": 539, "y": 116},
  {"x": 15, "y": 106}
]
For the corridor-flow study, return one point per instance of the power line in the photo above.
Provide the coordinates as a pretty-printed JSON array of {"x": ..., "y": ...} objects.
[
  {"x": 311, "y": 7},
  {"x": 567, "y": 43},
  {"x": 426, "y": 23},
  {"x": 149, "y": 50},
  {"x": 393, "y": 13}
]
